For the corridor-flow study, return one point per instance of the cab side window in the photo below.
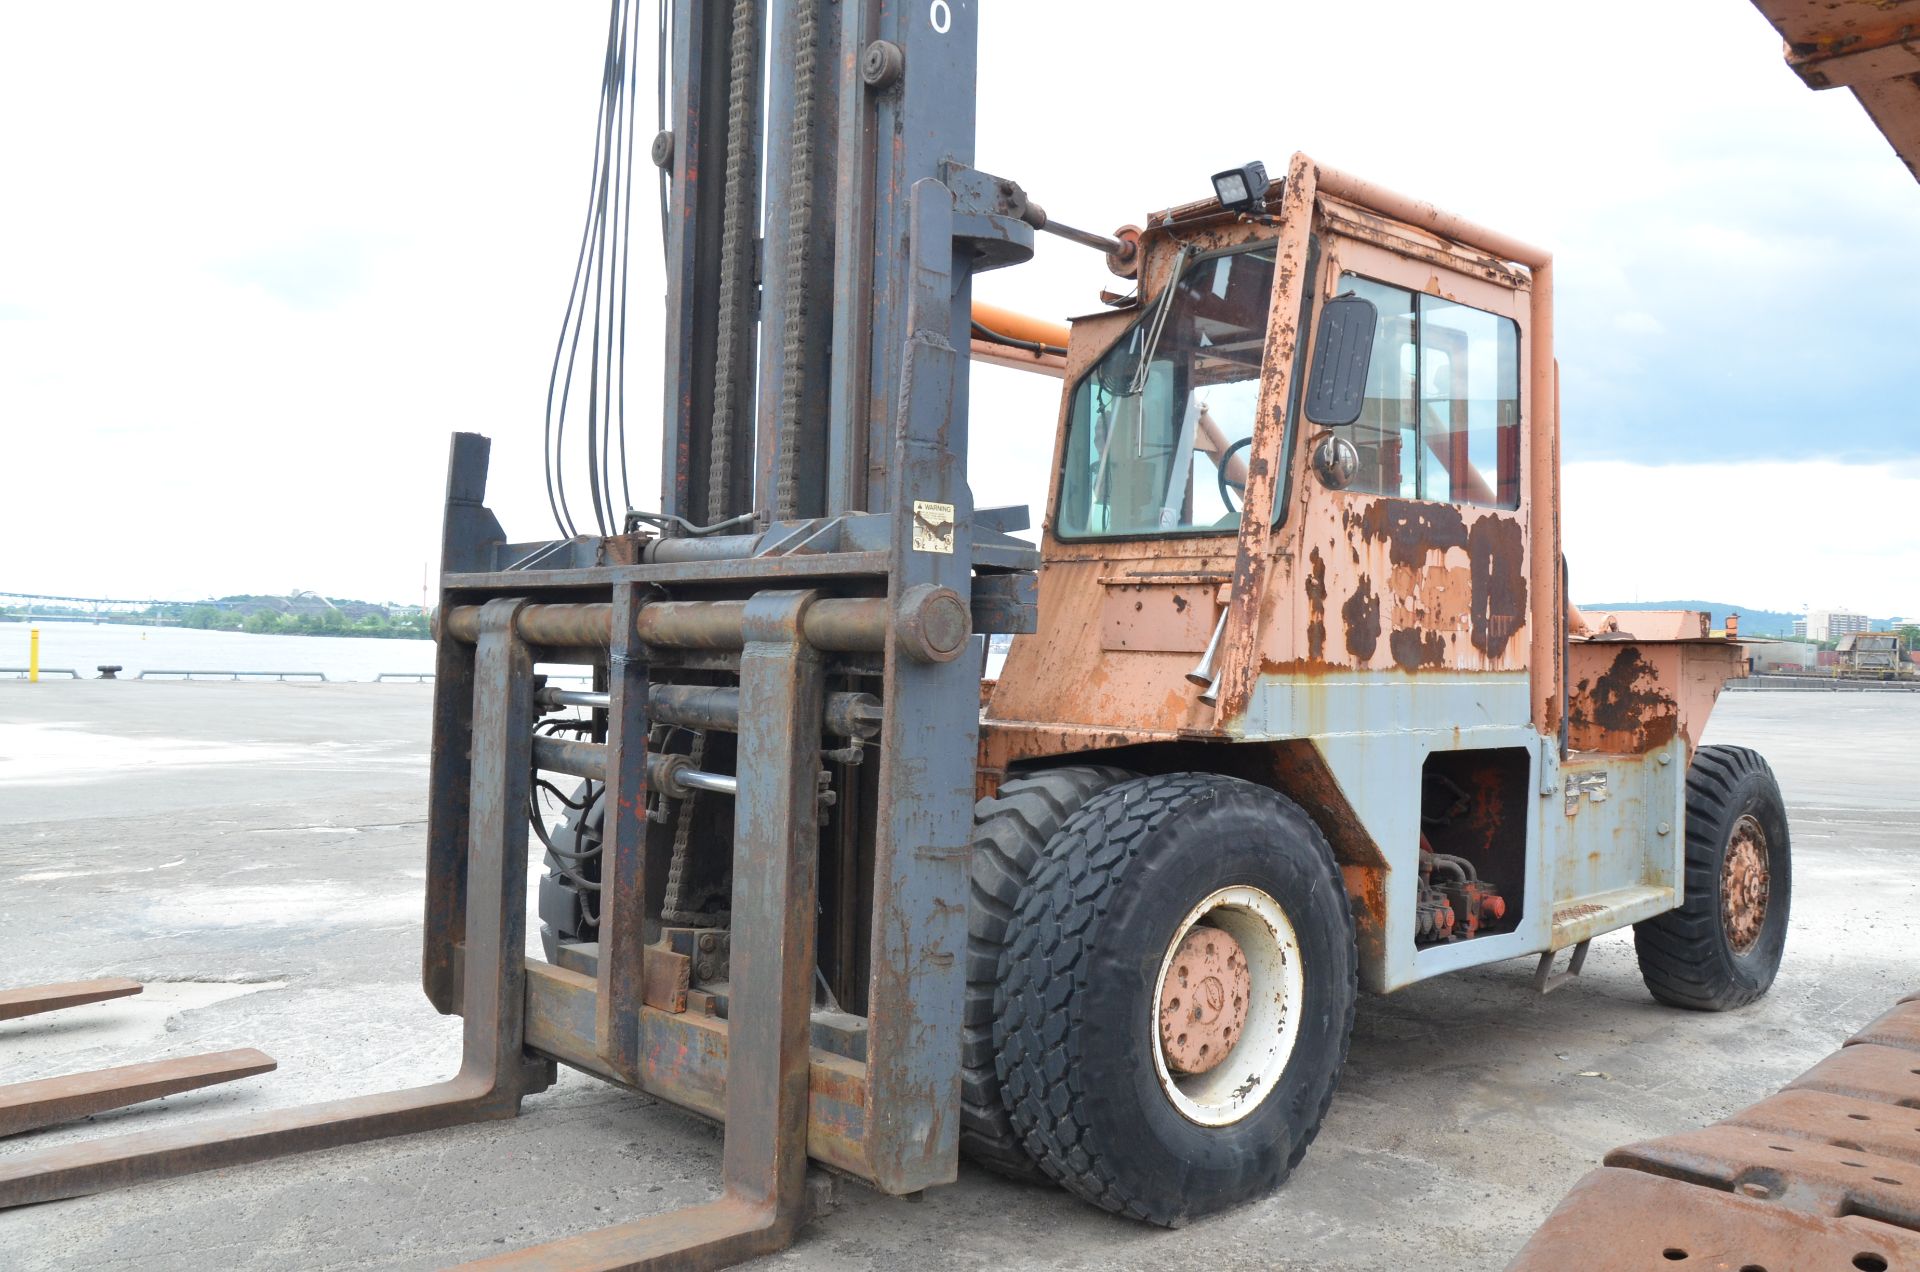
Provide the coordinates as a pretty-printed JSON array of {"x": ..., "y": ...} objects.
[{"x": 1442, "y": 413}]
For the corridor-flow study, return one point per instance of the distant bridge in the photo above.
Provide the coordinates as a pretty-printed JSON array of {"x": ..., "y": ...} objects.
[{"x": 98, "y": 603}]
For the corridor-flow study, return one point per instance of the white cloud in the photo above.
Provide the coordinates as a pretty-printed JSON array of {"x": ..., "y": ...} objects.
[
  {"x": 255, "y": 267},
  {"x": 1779, "y": 536}
]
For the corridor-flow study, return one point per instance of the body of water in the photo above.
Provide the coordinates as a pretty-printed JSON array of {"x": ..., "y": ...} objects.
[{"x": 84, "y": 646}]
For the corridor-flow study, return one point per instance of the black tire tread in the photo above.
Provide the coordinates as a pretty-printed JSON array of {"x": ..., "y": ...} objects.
[
  {"x": 1680, "y": 952},
  {"x": 1011, "y": 832}
]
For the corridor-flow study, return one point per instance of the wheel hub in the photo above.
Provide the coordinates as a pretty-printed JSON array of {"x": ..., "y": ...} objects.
[
  {"x": 1247, "y": 1020},
  {"x": 1203, "y": 1001},
  {"x": 1744, "y": 884}
]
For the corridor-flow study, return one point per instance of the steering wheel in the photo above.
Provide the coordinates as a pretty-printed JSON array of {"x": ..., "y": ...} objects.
[{"x": 1226, "y": 487}]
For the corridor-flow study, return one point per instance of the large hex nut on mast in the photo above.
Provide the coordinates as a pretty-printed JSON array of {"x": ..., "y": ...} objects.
[{"x": 495, "y": 1073}]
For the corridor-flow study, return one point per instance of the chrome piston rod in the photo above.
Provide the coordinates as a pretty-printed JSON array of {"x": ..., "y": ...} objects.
[{"x": 672, "y": 775}]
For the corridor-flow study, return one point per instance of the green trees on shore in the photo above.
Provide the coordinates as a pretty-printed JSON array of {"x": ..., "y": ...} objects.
[
  {"x": 332, "y": 622},
  {"x": 260, "y": 615}
]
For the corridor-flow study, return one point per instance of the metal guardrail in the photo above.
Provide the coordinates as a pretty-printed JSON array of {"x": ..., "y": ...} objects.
[
  {"x": 1820, "y": 684},
  {"x": 21, "y": 673},
  {"x": 236, "y": 675},
  {"x": 413, "y": 677}
]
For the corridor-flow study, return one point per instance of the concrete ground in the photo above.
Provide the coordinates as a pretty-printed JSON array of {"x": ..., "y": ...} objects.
[{"x": 253, "y": 853}]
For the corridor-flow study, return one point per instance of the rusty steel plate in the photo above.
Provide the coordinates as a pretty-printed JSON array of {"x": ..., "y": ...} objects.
[
  {"x": 664, "y": 978},
  {"x": 1900, "y": 1028},
  {"x": 1889, "y": 1075},
  {"x": 1203, "y": 1005},
  {"x": 35, "y": 999},
  {"x": 1628, "y": 1221},
  {"x": 1800, "y": 1174},
  {"x": 1884, "y": 1130}
]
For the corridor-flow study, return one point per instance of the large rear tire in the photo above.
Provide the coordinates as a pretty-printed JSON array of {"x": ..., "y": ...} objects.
[
  {"x": 1010, "y": 834},
  {"x": 1722, "y": 947},
  {"x": 1172, "y": 912}
]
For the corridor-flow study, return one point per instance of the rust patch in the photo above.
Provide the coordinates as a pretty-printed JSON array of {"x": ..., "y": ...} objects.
[
  {"x": 1316, "y": 607},
  {"x": 1362, "y": 614},
  {"x": 1414, "y": 649},
  {"x": 1496, "y": 552},
  {"x": 1625, "y": 710},
  {"x": 1412, "y": 530},
  {"x": 1367, "y": 899},
  {"x": 1366, "y": 895}
]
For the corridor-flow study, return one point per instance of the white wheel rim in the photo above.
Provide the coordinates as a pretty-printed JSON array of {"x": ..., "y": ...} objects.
[{"x": 1239, "y": 1084}]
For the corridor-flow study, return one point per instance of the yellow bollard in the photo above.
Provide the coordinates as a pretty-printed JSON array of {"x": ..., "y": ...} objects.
[{"x": 33, "y": 655}]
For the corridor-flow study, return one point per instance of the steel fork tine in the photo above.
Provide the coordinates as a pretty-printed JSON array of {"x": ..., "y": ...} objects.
[
  {"x": 35, "y": 999},
  {"x": 26, "y": 1106}
]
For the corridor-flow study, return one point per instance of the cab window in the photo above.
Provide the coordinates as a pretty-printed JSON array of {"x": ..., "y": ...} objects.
[
  {"x": 1442, "y": 413},
  {"x": 1160, "y": 426}
]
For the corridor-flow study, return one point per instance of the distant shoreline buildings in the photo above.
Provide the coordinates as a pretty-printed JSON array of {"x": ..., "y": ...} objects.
[{"x": 1831, "y": 624}]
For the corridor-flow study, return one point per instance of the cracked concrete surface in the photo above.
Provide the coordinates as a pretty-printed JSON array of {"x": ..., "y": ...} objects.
[{"x": 253, "y": 853}]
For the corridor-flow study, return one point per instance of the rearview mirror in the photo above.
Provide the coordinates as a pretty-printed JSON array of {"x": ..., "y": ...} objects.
[{"x": 1342, "y": 350}]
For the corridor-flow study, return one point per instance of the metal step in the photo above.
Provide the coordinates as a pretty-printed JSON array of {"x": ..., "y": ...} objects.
[{"x": 1583, "y": 918}]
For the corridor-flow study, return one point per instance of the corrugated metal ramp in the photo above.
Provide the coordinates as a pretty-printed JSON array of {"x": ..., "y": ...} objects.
[{"x": 1823, "y": 1177}]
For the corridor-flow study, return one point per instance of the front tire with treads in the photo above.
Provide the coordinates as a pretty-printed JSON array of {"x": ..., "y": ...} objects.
[
  {"x": 1096, "y": 995},
  {"x": 1010, "y": 834},
  {"x": 1721, "y": 949}
]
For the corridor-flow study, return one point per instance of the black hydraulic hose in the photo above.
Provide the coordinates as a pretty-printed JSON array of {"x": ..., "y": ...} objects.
[
  {"x": 625, "y": 253},
  {"x": 660, "y": 123},
  {"x": 566, "y": 349},
  {"x": 1014, "y": 342},
  {"x": 586, "y": 799}
]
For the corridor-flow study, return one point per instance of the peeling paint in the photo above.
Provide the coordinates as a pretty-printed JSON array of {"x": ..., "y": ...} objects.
[
  {"x": 1316, "y": 607},
  {"x": 1412, "y": 531},
  {"x": 1414, "y": 649},
  {"x": 1362, "y": 613},
  {"x": 1496, "y": 549}
]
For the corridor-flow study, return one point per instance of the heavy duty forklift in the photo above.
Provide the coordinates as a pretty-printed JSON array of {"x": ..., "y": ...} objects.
[{"x": 1295, "y": 703}]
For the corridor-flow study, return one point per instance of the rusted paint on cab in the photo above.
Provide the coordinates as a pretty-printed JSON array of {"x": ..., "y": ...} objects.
[{"x": 1633, "y": 697}]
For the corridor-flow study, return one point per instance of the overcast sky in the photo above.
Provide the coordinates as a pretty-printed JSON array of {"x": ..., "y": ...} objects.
[{"x": 257, "y": 261}]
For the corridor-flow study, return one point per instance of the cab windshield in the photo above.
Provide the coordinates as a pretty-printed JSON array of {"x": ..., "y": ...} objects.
[{"x": 1158, "y": 436}]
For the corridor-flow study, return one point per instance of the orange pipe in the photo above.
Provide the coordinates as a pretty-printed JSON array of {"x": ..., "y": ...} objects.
[
  {"x": 1006, "y": 322},
  {"x": 1418, "y": 212}
]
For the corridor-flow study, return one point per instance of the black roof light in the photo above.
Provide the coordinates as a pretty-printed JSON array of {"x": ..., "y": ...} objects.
[{"x": 1242, "y": 189}]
